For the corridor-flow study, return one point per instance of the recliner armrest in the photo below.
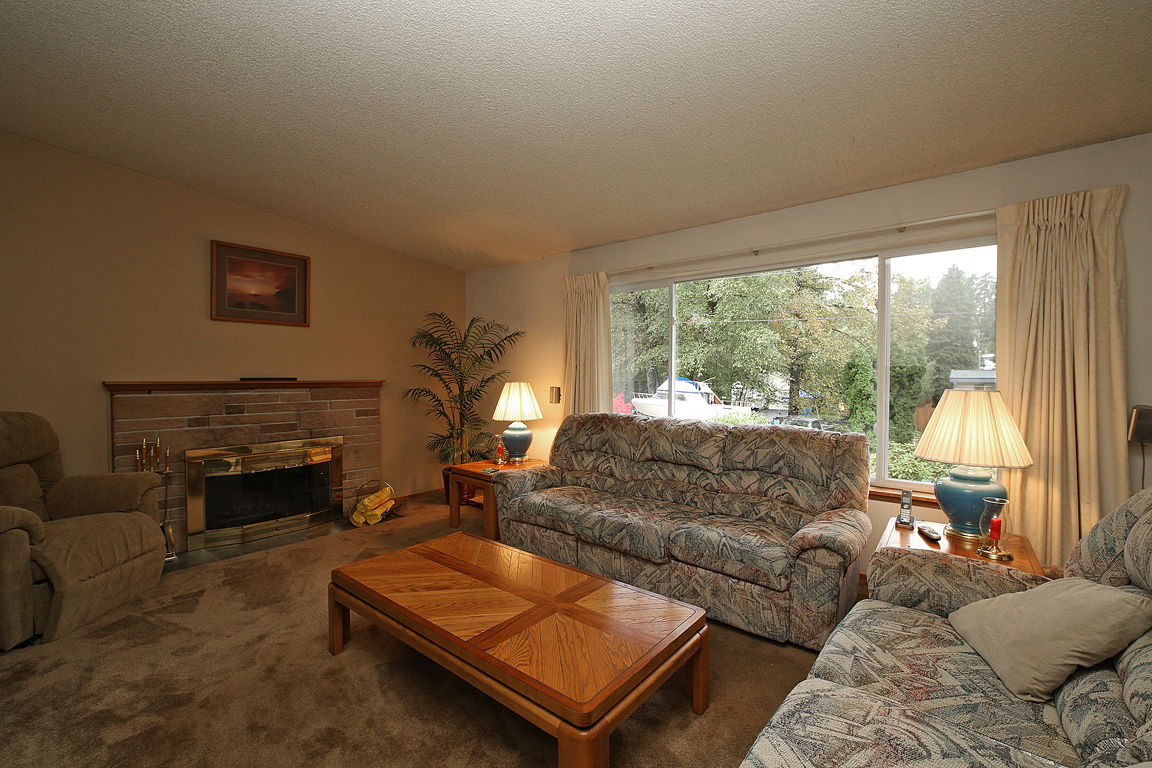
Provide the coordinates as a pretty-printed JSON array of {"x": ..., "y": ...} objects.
[
  {"x": 844, "y": 531},
  {"x": 93, "y": 494},
  {"x": 510, "y": 483},
  {"x": 938, "y": 582},
  {"x": 18, "y": 517}
]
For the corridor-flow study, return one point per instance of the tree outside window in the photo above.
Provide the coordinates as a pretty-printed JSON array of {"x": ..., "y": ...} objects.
[{"x": 799, "y": 346}]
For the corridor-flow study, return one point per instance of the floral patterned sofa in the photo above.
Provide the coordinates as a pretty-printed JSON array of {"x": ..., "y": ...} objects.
[
  {"x": 896, "y": 685},
  {"x": 762, "y": 526}
]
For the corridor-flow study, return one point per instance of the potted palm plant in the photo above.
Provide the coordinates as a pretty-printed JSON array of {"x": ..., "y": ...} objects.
[{"x": 461, "y": 363}]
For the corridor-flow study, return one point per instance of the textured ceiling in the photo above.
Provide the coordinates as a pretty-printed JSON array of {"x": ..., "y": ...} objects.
[{"x": 476, "y": 133}]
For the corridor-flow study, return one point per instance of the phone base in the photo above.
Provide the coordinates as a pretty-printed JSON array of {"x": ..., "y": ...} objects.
[{"x": 909, "y": 525}]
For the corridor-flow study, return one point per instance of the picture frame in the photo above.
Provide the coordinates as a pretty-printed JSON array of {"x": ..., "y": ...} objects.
[{"x": 258, "y": 285}]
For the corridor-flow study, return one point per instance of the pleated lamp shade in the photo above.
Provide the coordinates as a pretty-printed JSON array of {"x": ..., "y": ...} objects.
[
  {"x": 974, "y": 429},
  {"x": 517, "y": 403}
]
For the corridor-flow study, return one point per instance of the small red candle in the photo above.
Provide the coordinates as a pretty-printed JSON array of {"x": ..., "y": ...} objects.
[{"x": 995, "y": 532}]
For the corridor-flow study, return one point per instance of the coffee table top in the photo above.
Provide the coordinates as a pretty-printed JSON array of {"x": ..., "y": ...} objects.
[{"x": 571, "y": 641}]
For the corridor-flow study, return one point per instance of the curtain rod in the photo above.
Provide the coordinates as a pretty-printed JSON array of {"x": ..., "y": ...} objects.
[{"x": 819, "y": 240}]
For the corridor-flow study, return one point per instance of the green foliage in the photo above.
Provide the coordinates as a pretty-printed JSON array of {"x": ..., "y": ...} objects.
[
  {"x": 903, "y": 465},
  {"x": 461, "y": 363},
  {"x": 858, "y": 383},
  {"x": 741, "y": 418},
  {"x": 952, "y": 345},
  {"x": 804, "y": 340}
]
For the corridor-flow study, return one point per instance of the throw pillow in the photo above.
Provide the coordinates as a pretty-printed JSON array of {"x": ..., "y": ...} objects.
[{"x": 1035, "y": 639}]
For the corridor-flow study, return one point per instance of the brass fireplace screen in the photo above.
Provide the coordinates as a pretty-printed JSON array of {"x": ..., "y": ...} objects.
[{"x": 247, "y": 492}]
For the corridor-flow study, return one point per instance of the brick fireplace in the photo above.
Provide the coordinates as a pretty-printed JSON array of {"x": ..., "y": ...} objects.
[{"x": 190, "y": 415}]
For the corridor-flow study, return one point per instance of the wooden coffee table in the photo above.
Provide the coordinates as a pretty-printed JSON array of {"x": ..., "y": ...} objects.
[{"x": 573, "y": 653}]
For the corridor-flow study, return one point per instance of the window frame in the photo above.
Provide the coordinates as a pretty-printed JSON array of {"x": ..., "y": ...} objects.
[{"x": 693, "y": 272}]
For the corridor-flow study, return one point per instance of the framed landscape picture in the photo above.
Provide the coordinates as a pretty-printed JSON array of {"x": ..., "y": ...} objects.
[{"x": 255, "y": 285}]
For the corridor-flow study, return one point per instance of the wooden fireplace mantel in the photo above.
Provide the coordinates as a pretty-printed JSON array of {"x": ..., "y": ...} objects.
[{"x": 217, "y": 386}]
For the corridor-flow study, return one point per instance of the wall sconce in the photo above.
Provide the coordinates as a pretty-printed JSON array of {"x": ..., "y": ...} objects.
[{"x": 553, "y": 395}]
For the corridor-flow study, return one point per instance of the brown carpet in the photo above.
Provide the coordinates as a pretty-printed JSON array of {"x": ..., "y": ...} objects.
[{"x": 227, "y": 664}]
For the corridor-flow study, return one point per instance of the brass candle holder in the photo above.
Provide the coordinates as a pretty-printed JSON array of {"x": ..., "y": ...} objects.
[{"x": 148, "y": 460}]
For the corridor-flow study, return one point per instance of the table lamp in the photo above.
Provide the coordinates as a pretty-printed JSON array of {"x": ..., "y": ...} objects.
[
  {"x": 972, "y": 429},
  {"x": 517, "y": 405}
]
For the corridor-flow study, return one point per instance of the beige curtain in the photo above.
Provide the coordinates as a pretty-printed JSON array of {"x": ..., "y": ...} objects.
[
  {"x": 587, "y": 344},
  {"x": 1061, "y": 359}
]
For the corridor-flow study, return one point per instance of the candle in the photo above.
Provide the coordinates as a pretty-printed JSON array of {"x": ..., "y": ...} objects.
[
  {"x": 995, "y": 526},
  {"x": 139, "y": 466},
  {"x": 167, "y": 459}
]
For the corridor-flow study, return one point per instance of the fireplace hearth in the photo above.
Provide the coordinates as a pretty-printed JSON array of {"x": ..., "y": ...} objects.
[{"x": 247, "y": 492}]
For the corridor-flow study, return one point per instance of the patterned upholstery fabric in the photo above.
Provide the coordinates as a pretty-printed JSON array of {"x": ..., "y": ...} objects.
[
  {"x": 1099, "y": 556},
  {"x": 939, "y": 583},
  {"x": 895, "y": 685},
  {"x": 825, "y": 725},
  {"x": 748, "y": 550},
  {"x": 916, "y": 658},
  {"x": 762, "y": 525}
]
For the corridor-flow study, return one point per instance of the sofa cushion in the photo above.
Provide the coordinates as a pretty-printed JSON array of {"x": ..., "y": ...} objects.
[
  {"x": 753, "y": 507},
  {"x": 1134, "y": 666},
  {"x": 684, "y": 441},
  {"x": 1094, "y": 715},
  {"x": 639, "y": 527},
  {"x": 674, "y": 491},
  {"x": 808, "y": 497},
  {"x": 1099, "y": 556},
  {"x": 1138, "y": 553},
  {"x": 1035, "y": 639},
  {"x": 597, "y": 481},
  {"x": 19, "y": 487},
  {"x": 825, "y": 725},
  {"x": 615, "y": 434},
  {"x": 555, "y": 508},
  {"x": 749, "y": 550},
  {"x": 917, "y": 659}
]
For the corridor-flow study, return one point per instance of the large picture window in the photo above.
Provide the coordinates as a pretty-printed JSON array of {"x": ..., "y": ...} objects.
[{"x": 862, "y": 344}]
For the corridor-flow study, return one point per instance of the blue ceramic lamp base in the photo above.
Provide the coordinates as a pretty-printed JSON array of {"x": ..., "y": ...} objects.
[
  {"x": 518, "y": 438},
  {"x": 961, "y": 496}
]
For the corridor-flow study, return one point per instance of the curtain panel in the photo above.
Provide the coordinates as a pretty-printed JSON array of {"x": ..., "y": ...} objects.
[
  {"x": 1061, "y": 340},
  {"x": 587, "y": 344}
]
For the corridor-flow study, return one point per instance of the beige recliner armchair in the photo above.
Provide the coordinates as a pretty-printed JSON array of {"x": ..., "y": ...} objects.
[{"x": 71, "y": 548}]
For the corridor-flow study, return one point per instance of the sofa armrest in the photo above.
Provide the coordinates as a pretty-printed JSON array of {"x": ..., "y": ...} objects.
[
  {"x": 843, "y": 531},
  {"x": 18, "y": 517},
  {"x": 510, "y": 483},
  {"x": 93, "y": 494},
  {"x": 19, "y": 528},
  {"x": 938, "y": 582}
]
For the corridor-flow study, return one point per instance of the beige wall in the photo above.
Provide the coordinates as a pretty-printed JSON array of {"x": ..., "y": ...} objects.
[
  {"x": 105, "y": 277},
  {"x": 535, "y": 288}
]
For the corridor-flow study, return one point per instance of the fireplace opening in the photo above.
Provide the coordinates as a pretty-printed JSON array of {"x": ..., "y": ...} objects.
[{"x": 247, "y": 492}]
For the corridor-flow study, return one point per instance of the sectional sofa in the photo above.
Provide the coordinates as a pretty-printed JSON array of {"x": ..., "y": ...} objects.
[
  {"x": 966, "y": 663},
  {"x": 763, "y": 526}
]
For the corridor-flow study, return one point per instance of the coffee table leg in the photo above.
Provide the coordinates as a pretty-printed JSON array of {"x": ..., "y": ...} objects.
[
  {"x": 583, "y": 749},
  {"x": 698, "y": 675},
  {"x": 339, "y": 623},
  {"x": 453, "y": 502}
]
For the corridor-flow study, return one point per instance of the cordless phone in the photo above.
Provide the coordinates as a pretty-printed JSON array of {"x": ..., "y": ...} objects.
[{"x": 905, "y": 519}]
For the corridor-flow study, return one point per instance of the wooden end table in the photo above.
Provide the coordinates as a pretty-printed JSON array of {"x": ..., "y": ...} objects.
[
  {"x": 473, "y": 474},
  {"x": 571, "y": 652},
  {"x": 1023, "y": 557}
]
